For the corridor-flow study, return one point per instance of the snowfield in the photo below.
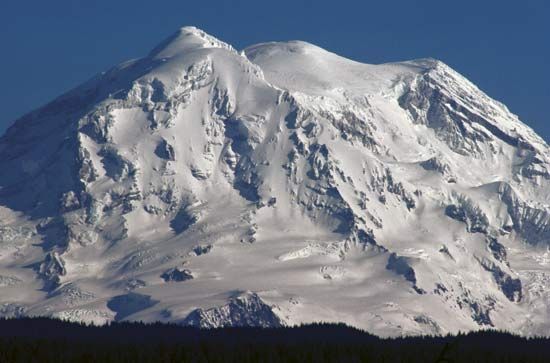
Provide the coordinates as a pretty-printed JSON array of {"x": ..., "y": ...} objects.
[{"x": 278, "y": 185}]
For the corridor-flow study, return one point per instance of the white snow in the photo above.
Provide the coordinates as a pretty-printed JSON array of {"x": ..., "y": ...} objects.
[{"x": 287, "y": 181}]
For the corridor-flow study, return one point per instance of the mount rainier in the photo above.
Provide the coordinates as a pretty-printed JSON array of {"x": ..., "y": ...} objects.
[{"x": 277, "y": 185}]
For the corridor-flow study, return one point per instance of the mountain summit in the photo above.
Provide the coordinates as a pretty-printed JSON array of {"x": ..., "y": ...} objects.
[{"x": 278, "y": 185}]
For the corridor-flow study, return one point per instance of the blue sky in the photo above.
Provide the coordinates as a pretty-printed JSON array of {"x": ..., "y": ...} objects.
[{"x": 49, "y": 47}]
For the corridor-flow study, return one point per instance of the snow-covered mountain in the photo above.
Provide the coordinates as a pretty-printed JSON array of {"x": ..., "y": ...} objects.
[{"x": 277, "y": 185}]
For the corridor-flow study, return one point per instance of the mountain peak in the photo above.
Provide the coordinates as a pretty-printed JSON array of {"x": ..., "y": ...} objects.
[{"x": 185, "y": 39}]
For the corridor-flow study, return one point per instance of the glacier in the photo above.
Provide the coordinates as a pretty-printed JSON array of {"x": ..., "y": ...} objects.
[{"x": 277, "y": 185}]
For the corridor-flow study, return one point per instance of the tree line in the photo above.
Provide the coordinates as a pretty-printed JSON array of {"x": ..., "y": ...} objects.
[{"x": 49, "y": 340}]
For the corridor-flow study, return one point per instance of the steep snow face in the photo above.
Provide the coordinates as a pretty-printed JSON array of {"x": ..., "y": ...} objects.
[{"x": 278, "y": 185}]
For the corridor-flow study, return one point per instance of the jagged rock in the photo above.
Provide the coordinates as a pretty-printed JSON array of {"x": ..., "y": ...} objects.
[
  {"x": 383, "y": 181},
  {"x": 497, "y": 249},
  {"x": 427, "y": 322},
  {"x": 436, "y": 101},
  {"x": 465, "y": 211},
  {"x": 444, "y": 250},
  {"x": 201, "y": 250},
  {"x": 165, "y": 151},
  {"x": 52, "y": 268},
  {"x": 245, "y": 310},
  {"x": 183, "y": 220},
  {"x": 480, "y": 314},
  {"x": 510, "y": 287},
  {"x": 531, "y": 222},
  {"x": 87, "y": 172},
  {"x": 69, "y": 201},
  {"x": 401, "y": 266},
  {"x": 82, "y": 236},
  {"x": 435, "y": 164},
  {"x": 199, "y": 173},
  {"x": 177, "y": 274},
  {"x": 115, "y": 165}
]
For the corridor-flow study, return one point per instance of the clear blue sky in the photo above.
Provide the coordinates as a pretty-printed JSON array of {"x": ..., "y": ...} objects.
[{"x": 503, "y": 46}]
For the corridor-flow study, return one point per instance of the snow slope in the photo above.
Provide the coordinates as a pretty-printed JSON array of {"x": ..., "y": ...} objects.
[{"x": 282, "y": 184}]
